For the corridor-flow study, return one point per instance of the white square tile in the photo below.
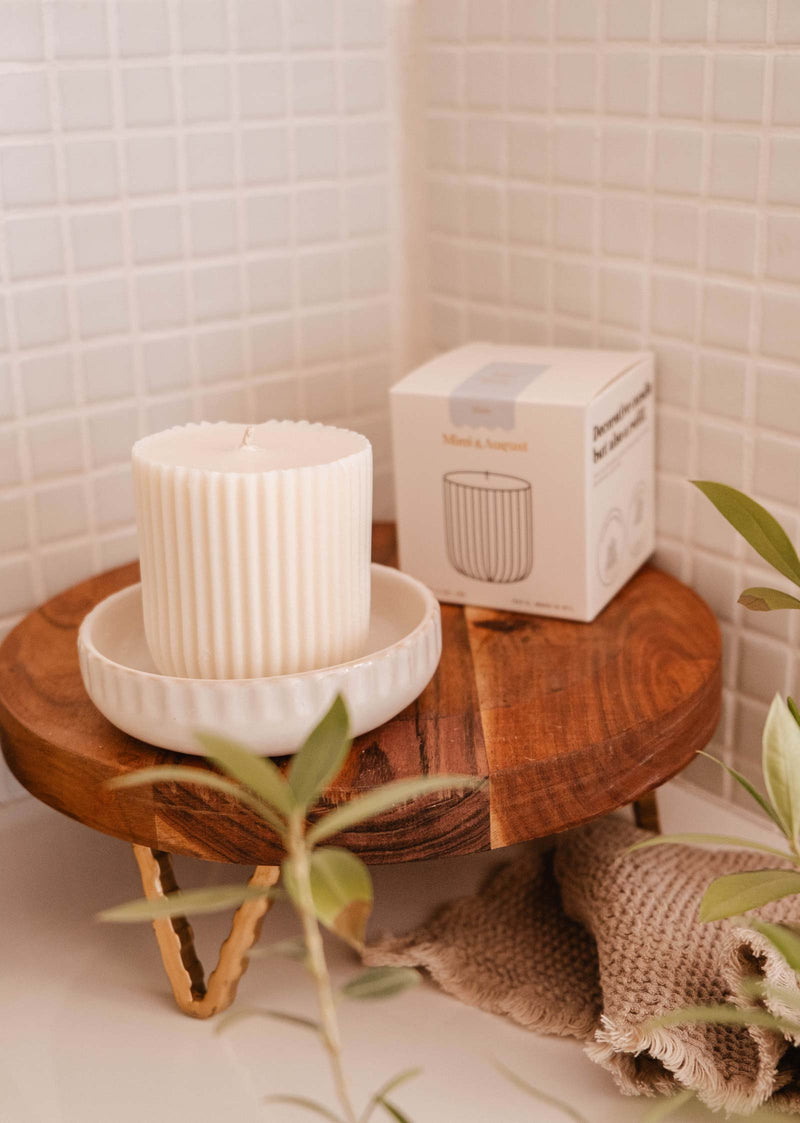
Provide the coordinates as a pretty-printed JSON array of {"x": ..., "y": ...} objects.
[
  {"x": 41, "y": 315},
  {"x": 320, "y": 277},
  {"x": 151, "y": 165},
  {"x": 720, "y": 454},
  {"x": 316, "y": 151},
  {"x": 731, "y": 241},
  {"x": 671, "y": 506},
  {"x": 627, "y": 88},
  {"x": 28, "y": 175},
  {"x": 317, "y": 214},
  {"x": 203, "y": 25},
  {"x": 96, "y": 240},
  {"x": 625, "y": 156},
  {"x": 778, "y": 399},
  {"x": 786, "y": 93},
  {"x": 363, "y": 23},
  {"x": 485, "y": 79},
  {"x": 258, "y": 25},
  {"x": 783, "y": 247},
  {"x": 163, "y": 413},
  {"x": 787, "y": 28},
  {"x": 103, "y": 307},
  {"x": 714, "y": 580},
  {"x": 24, "y": 106},
  {"x": 212, "y": 223},
  {"x": 722, "y": 386},
  {"x": 528, "y": 80},
  {"x": 265, "y": 154},
  {"x": 673, "y": 441},
  {"x": 275, "y": 397},
  {"x": 368, "y": 270},
  {"x": 625, "y": 226},
  {"x": 784, "y": 160},
  {"x": 224, "y": 405},
  {"x": 13, "y": 523},
  {"x": 147, "y": 96},
  {"x": 734, "y": 165},
  {"x": 268, "y": 220},
  {"x": 143, "y": 28},
  {"x": 486, "y": 139},
  {"x": 761, "y": 667},
  {"x": 527, "y": 214},
  {"x": 262, "y": 89},
  {"x": 777, "y": 469},
  {"x": 446, "y": 263},
  {"x": 220, "y": 355},
  {"x": 271, "y": 345},
  {"x": 575, "y": 222},
  {"x": 112, "y": 433},
  {"x": 675, "y": 374},
  {"x": 55, "y": 447},
  {"x": 739, "y": 87},
  {"x": 22, "y": 26},
  {"x": 484, "y": 21},
  {"x": 85, "y": 99},
  {"x": 780, "y": 325},
  {"x": 270, "y": 284},
  {"x": 16, "y": 586},
  {"x": 675, "y": 233},
  {"x": 161, "y": 299},
  {"x": 575, "y": 153},
  {"x": 727, "y": 310},
  {"x": 674, "y": 309},
  {"x": 209, "y": 160},
  {"x": 369, "y": 328},
  {"x": 80, "y": 28},
  {"x": 684, "y": 20},
  {"x": 622, "y": 297},
  {"x": 485, "y": 273},
  {"x": 113, "y": 497},
  {"x": 8, "y": 407},
  {"x": 92, "y": 172},
  {"x": 573, "y": 288},
  {"x": 528, "y": 19},
  {"x": 156, "y": 233},
  {"x": 577, "y": 20},
  {"x": 681, "y": 80},
  {"x": 484, "y": 210},
  {"x": 627, "y": 19},
  {"x": 321, "y": 337},
  {"x": 215, "y": 292},
  {"x": 679, "y": 161},
  {"x": 47, "y": 383},
  {"x": 108, "y": 372},
  {"x": 363, "y": 84},
  {"x": 314, "y": 86},
  {"x": 10, "y": 464},
  {"x": 742, "y": 21},
  {"x": 64, "y": 566},
  {"x": 324, "y": 394},
  {"x": 443, "y": 78},
  {"x": 366, "y": 147},
  {"x": 34, "y": 246},
  {"x": 166, "y": 363},
  {"x": 206, "y": 92},
  {"x": 310, "y": 24}
]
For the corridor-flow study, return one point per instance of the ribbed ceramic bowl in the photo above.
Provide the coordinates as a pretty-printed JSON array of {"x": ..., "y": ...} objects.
[{"x": 271, "y": 716}]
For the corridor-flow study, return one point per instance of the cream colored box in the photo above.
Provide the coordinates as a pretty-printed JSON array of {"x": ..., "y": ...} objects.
[{"x": 525, "y": 475}]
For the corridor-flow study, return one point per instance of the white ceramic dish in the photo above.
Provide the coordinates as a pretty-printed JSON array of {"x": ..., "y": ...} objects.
[{"x": 269, "y": 715}]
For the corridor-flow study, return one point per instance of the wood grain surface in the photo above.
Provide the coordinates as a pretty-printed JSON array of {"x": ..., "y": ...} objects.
[{"x": 565, "y": 721}]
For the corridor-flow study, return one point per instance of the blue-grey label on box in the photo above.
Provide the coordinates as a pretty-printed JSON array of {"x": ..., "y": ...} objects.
[{"x": 487, "y": 398}]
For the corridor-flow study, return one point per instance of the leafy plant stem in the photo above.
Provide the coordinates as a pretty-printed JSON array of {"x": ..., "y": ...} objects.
[{"x": 298, "y": 854}]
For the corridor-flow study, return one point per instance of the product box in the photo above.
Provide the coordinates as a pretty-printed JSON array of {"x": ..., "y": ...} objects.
[{"x": 525, "y": 475}]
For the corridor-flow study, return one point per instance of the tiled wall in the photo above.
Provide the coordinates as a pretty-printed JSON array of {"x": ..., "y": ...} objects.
[
  {"x": 223, "y": 207},
  {"x": 625, "y": 173}
]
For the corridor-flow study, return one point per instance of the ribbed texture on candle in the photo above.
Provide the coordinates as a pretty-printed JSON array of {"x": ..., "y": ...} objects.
[{"x": 255, "y": 573}]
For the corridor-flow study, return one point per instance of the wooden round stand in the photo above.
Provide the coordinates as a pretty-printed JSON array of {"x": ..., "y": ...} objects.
[{"x": 566, "y": 721}]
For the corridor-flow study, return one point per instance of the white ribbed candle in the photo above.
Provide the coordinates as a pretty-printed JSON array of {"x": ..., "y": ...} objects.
[{"x": 255, "y": 547}]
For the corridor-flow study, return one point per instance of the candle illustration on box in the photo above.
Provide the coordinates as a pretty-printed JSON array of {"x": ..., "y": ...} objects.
[{"x": 489, "y": 525}]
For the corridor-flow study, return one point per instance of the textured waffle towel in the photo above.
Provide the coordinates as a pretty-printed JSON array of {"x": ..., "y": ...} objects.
[{"x": 591, "y": 942}]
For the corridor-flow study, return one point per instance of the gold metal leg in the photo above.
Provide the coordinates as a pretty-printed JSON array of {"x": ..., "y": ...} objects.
[
  {"x": 645, "y": 812},
  {"x": 175, "y": 938}
]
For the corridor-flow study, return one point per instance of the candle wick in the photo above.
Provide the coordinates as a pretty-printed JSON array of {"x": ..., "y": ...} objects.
[{"x": 247, "y": 439}]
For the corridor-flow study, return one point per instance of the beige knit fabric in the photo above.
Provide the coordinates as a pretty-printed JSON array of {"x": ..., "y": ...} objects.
[{"x": 589, "y": 941}]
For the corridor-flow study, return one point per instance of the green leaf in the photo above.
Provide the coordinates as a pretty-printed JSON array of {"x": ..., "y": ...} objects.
[
  {"x": 786, "y": 941},
  {"x": 760, "y": 598},
  {"x": 383, "y": 799},
  {"x": 382, "y": 982},
  {"x": 781, "y": 766},
  {"x": 793, "y": 710},
  {"x": 735, "y": 893},
  {"x": 289, "y": 949},
  {"x": 666, "y": 1107},
  {"x": 709, "y": 840},
  {"x": 720, "y": 1015},
  {"x": 189, "y": 902},
  {"x": 261, "y": 1012},
  {"x": 537, "y": 1094},
  {"x": 342, "y": 890},
  {"x": 183, "y": 774},
  {"x": 385, "y": 1089},
  {"x": 257, "y": 773},
  {"x": 309, "y": 1105},
  {"x": 394, "y": 1111},
  {"x": 763, "y": 803},
  {"x": 321, "y": 758},
  {"x": 756, "y": 525}
]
